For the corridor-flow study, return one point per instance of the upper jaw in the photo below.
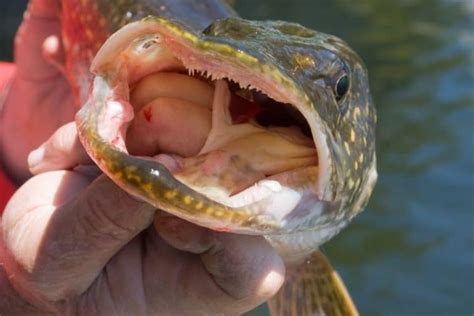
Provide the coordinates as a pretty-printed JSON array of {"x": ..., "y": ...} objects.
[{"x": 144, "y": 41}]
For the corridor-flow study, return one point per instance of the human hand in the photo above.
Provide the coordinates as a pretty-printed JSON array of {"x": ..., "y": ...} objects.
[
  {"x": 40, "y": 99},
  {"x": 78, "y": 245}
]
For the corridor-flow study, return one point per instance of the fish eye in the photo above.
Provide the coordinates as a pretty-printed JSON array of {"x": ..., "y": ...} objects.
[{"x": 342, "y": 87}]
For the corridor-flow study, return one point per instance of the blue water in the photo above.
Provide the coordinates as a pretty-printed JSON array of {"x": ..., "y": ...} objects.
[{"x": 412, "y": 251}]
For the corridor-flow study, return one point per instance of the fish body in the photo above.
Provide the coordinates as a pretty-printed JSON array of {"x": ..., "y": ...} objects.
[{"x": 317, "y": 82}]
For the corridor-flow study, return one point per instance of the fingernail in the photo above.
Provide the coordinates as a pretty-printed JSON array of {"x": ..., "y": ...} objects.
[{"x": 35, "y": 157}]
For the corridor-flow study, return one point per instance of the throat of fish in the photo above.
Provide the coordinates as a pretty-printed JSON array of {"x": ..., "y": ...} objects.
[{"x": 213, "y": 139}]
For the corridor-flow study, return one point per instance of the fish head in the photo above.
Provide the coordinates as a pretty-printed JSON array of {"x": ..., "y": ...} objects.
[
  {"x": 321, "y": 82},
  {"x": 329, "y": 84}
]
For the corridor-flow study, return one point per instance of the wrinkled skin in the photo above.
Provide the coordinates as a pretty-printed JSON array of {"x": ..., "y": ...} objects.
[
  {"x": 87, "y": 254},
  {"x": 68, "y": 247}
]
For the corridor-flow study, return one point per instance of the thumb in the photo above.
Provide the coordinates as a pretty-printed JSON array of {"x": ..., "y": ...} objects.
[
  {"x": 62, "y": 150},
  {"x": 246, "y": 268}
]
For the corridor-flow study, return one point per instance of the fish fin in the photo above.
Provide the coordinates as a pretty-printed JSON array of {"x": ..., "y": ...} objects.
[{"x": 312, "y": 288}]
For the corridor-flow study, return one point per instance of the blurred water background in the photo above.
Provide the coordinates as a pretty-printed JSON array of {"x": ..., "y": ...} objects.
[{"x": 412, "y": 251}]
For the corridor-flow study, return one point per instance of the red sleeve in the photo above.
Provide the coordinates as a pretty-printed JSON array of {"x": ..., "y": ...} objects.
[{"x": 6, "y": 187}]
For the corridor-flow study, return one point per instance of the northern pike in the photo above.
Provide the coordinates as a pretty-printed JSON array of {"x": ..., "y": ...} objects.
[{"x": 277, "y": 136}]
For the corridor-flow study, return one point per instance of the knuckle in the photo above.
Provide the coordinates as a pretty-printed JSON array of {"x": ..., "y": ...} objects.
[{"x": 110, "y": 214}]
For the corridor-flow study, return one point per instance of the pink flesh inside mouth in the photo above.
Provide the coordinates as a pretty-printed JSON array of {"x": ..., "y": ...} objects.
[{"x": 213, "y": 130}]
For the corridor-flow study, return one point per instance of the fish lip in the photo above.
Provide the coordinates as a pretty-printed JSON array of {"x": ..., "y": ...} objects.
[{"x": 291, "y": 93}]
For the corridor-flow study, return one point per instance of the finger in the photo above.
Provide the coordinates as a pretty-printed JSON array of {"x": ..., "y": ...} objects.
[
  {"x": 62, "y": 150},
  {"x": 91, "y": 172},
  {"x": 181, "y": 234},
  {"x": 44, "y": 8},
  {"x": 245, "y": 268},
  {"x": 71, "y": 235},
  {"x": 40, "y": 21}
]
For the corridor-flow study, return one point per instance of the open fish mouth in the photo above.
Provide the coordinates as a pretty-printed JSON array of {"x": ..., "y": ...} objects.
[{"x": 227, "y": 128}]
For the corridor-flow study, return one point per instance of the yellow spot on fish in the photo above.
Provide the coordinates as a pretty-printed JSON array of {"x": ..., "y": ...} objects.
[
  {"x": 356, "y": 165},
  {"x": 351, "y": 183},
  {"x": 356, "y": 112},
  {"x": 303, "y": 61},
  {"x": 306, "y": 98},
  {"x": 130, "y": 169},
  {"x": 171, "y": 194},
  {"x": 134, "y": 177},
  {"x": 219, "y": 213},
  {"x": 209, "y": 210},
  {"x": 199, "y": 205},
  {"x": 348, "y": 149},
  {"x": 353, "y": 135},
  {"x": 148, "y": 188},
  {"x": 188, "y": 199},
  {"x": 361, "y": 158}
]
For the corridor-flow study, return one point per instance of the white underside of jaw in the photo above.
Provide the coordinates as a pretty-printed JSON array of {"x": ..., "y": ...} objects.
[{"x": 278, "y": 197}]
